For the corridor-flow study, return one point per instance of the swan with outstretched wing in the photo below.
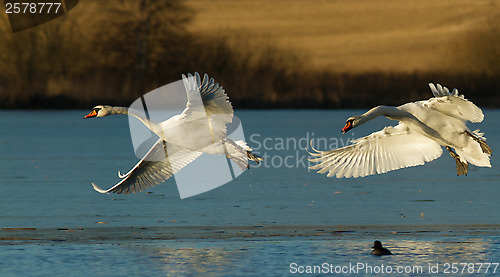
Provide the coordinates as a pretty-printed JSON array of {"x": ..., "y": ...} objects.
[
  {"x": 200, "y": 128},
  {"x": 424, "y": 126}
]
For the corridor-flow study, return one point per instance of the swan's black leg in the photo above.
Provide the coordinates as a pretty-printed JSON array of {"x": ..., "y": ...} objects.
[
  {"x": 484, "y": 146},
  {"x": 253, "y": 157},
  {"x": 462, "y": 167}
]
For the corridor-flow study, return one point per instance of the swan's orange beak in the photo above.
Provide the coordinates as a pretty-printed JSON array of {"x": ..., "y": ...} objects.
[
  {"x": 347, "y": 127},
  {"x": 93, "y": 113}
]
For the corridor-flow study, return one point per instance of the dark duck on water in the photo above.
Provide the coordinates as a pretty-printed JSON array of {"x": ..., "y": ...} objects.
[{"x": 378, "y": 250}]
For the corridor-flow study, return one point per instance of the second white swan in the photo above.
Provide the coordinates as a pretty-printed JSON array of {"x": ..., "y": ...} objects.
[{"x": 424, "y": 126}]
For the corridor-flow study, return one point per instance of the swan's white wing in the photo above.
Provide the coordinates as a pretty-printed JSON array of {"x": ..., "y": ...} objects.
[
  {"x": 453, "y": 104},
  {"x": 153, "y": 168},
  {"x": 208, "y": 104},
  {"x": 389, "y": 149}
]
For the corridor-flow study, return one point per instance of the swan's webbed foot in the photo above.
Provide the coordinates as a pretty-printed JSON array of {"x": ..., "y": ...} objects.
[
  {"x": 484, "y": 146},
  {"x": 253, "y": 157},
  {"x": 462, "y": 167}
]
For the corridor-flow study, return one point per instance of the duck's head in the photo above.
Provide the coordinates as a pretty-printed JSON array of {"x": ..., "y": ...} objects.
[
  {"x": 98, "y": 111},
  {"x": 377, "y": 245},
  {"x": 350, "y": 123}
]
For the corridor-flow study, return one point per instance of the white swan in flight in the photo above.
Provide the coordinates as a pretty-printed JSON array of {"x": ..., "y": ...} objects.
[
  {"x": 424, "y": 126},
  {"x": 200, "y": 128}
]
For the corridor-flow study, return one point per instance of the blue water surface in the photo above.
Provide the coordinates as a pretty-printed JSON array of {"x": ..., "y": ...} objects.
[{"x": 271, "y": 216}]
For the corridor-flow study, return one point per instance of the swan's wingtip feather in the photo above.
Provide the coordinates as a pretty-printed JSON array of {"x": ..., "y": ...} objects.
[
  {"x": 434, "y": 90},
  {"x": 314, "y": 152},
  {"x": 120, "y": 175},
  {"x": 438, "y": 90},
  {"x": 198, "y": 79},
  {"x": 98, "y": 189},
  {"x": 446, "y": 90}
]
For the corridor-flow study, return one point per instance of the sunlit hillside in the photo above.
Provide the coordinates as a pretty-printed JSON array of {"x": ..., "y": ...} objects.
[
  {"x": 268, "y": 54},
  {"x": 361, "y": 35}
]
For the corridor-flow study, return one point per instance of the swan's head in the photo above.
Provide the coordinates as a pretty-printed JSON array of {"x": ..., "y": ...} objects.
[
  {"x": 350, "y": 123},
  {"x": 98, "y": 111}
]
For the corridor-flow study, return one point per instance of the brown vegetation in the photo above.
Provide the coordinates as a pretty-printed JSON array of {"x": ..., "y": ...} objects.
[{"x": 333, "y": 54}]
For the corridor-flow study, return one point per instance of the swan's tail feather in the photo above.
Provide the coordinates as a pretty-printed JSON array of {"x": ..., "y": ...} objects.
[
  {"x": 484, "y": 146},
  {"x": 477, "y": 151},
  {"x": 250, "y": 155},
  {"x": 240, "y": 160},
  {"x": 478, "y": 137},
  {"x": 243, "y": 144},
  {"x": 239, "y": 152}
]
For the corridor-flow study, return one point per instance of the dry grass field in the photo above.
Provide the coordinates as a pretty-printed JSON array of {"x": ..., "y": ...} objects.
[
  {"x": 360, "y": 35},
  {"x": 268, "y": 53}
]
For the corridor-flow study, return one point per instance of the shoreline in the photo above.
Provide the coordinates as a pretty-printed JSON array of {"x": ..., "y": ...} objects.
[{"x": 14, "y": 235}]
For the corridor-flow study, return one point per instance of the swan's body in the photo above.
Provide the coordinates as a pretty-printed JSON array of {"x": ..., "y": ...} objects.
[
  {"x": 424, "y": 126},
  {"x": 200, "y": 128}
]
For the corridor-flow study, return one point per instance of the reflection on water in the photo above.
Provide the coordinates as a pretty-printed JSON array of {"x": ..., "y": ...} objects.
[
  {"x": 273, "y": 257},
  {"x": 450, "y": 251},
  {"x": 195, "y": 260}
]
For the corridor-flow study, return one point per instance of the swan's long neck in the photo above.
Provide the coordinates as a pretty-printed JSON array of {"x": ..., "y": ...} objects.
[
  {"x": 389, "y": 112},
  {"x": 135, "y": 113},
  {"x": 117, "y": 110},
  {"x": 404, "y": 116}
]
